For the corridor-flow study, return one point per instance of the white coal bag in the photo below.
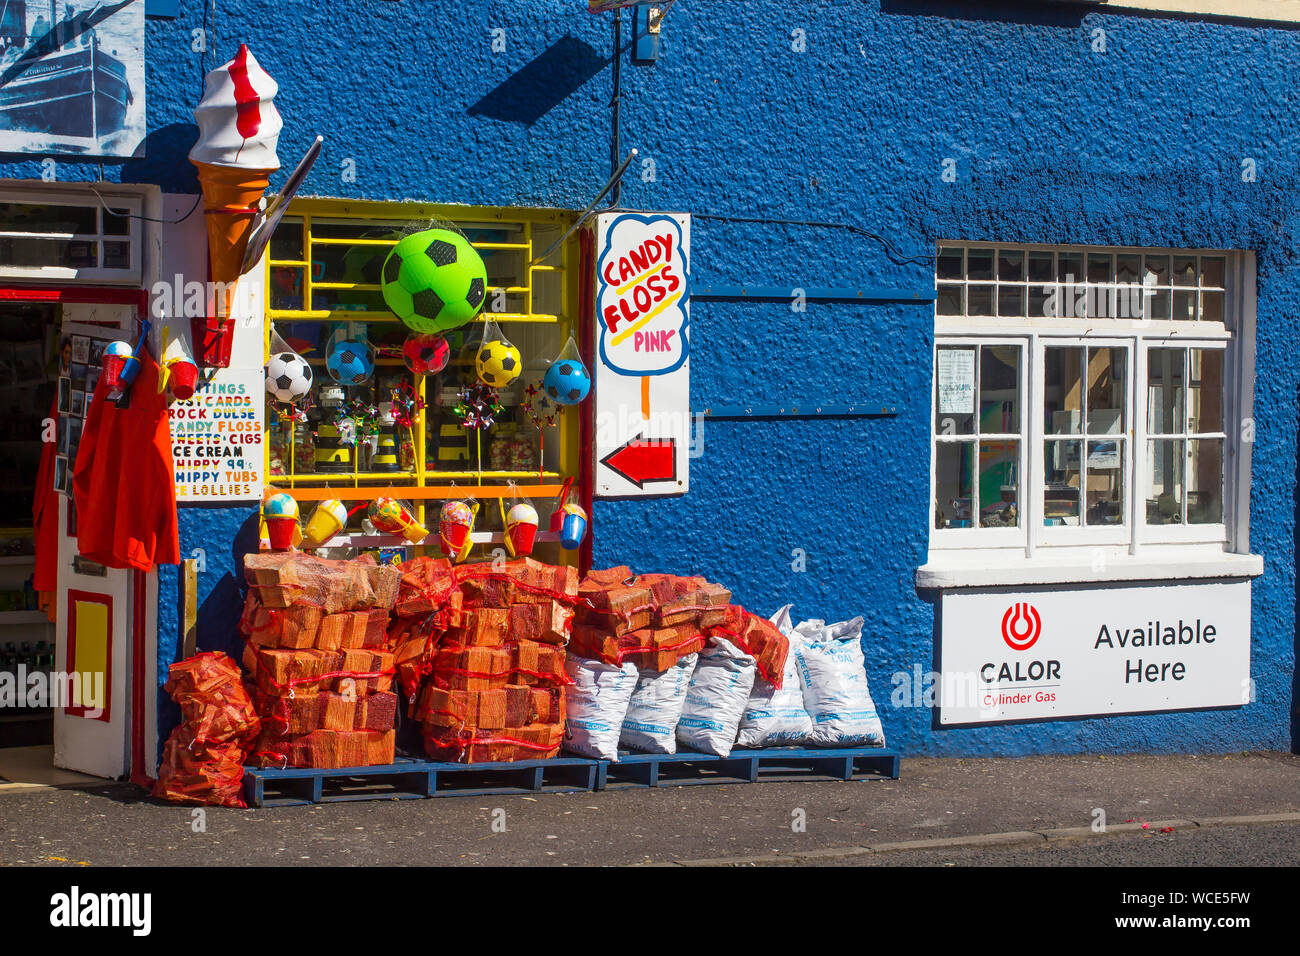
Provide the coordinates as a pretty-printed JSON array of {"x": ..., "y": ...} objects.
[
  {"x": 596, "y": 703},
  {"x": 777, "y": 718},
  {"x": 655, "y": 708},
  {"x": 833, "y": 678},
  {"x": 716, "y": 698}
]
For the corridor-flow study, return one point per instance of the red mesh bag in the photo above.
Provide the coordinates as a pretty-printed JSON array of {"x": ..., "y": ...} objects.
[
  {"x": 200, "y": 772},
  {"x": 758, "y": 638},
  {"x": 203, "y": 759}
]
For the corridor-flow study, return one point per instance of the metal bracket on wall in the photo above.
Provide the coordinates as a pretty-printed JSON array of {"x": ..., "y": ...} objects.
[
  {"x": 814, "y": 293},
  {"x": 858, "y": 410},
  {"x": 647, "y": 19}
]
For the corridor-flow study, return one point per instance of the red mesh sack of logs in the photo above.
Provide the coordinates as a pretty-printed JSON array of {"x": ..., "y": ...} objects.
[
  {"x": 480, "y": 653},
  {"x": 203, "y": 759},
  {"x": 654, "y": 620},
  {"x": 319, "y": 660}
]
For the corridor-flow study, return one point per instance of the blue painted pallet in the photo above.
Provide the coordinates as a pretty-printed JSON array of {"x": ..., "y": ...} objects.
[
  {"x": 745, "y": 766},
  {"x": 408, "y": 779}
]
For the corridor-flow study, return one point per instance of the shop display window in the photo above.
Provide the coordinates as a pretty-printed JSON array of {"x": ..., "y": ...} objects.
[
  {"x": 398, "y": 433},
  {"x": 1123, "y": 355}
]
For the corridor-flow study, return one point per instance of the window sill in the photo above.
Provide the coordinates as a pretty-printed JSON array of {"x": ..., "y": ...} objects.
[{"x": 978, "y": 570}]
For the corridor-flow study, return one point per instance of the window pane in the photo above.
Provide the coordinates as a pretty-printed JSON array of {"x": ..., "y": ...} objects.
[
  {"x": 1061, "y": 492},
  {"x": 1165, "y": 391},
  {"x": 1205, "y": 481},
  {"x": 117, "y": 255},
  {"x": 1011, "y": 265},
  {"x": 950, "y": 299},
  {"x": 1128, "y": 268},
  {"x": 1063, "y": 391},
  {"x": 955, "y": 391},
  {"x": 1211, "y": 306},
  {"x": 1099, "y": 267},
  {"x": 30, "y": 217},
  {"x": 1157, "y": 270},
  {"x": 1011, "y": 301},
  {"x": 1184, "y": 306},
  {"x": 1157, "y": 304},
  {"x": 1038, "y": 304},
  {"x": 1205, "y": 395},
  {"x": 286, "y": 289},
  {"x": 1105, "y": 497},
  {"x": 952, "y": 484},
  {"x": 979, "y": 264},
  {"x": 979, "y": 300},
  {"x": 1040, "y": 267},
  {"x": 1165, "y": 481},
  {"x": 949, "y": 264},
  {"x": 115, "y": 225},
  {"x": 1106, "y": 382},
  {"x": 1069, "y": 267},
  {"x": 1212, "y": 272},
  {"x": 999, "y": 484},
  {"x": 1185, "y": 270},
  {"x": 286, "y": 243},
  {"x": 1000, "y": 389},
  {"x": 34, "y": 253}
]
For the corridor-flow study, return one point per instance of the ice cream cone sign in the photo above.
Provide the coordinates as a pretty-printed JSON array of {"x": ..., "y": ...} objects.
[{"x": 239, "y": 128}]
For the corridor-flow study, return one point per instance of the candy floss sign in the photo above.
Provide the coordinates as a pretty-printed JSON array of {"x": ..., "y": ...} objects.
[
  {"x": 217, "y": 450},
  {"x": 643, "y": 296},
  {"x": 643, "y": 287}
]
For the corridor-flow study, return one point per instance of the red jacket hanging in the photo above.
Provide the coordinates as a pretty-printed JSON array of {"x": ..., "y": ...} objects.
[{"x": 123, "y": 484}]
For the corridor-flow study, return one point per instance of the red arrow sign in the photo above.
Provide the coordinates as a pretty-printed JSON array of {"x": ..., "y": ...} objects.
[{"x": 643, "y": 460}]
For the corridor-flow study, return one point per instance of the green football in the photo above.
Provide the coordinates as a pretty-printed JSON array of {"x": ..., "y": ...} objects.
[{"x": 434, "y": 281}]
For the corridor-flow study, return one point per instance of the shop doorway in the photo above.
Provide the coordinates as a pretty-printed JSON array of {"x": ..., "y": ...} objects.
[{"x": 29, "y": 376}]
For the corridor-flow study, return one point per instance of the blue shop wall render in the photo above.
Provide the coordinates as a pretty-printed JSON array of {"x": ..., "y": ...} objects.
[{"x": 1051, "y": 140}]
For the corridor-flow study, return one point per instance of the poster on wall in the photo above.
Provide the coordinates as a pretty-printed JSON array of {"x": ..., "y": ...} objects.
[
  {"x": 72, "y": 77},
  {"x": 217, "y": 446},
  {"x": 642, "y": 374},
  {"x": 1045, "y": 654}
]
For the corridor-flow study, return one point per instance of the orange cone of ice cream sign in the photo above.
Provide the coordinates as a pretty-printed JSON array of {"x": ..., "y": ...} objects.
[{"x": 239, "y": 128}]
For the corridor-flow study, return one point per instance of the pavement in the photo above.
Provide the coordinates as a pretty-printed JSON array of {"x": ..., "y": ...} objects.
[{"x": 1233, "y": 809}]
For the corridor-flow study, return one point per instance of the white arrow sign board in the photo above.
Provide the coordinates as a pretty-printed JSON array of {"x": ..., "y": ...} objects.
[{"x": 642, "y": 374}]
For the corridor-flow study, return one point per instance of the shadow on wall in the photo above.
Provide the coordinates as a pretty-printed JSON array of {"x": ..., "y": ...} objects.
[
  {"x": 541, "y": 85},
  {"x": 163, "y": 158},
  {"x": 218, "y": 617}
]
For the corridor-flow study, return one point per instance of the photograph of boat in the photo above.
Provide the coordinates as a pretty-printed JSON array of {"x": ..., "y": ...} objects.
[{"x": 71, "y": 77}]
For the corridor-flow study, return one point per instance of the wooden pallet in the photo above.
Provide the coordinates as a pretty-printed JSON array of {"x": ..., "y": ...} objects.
[
  {"x": 745, "y": 766},
  {"x": 408, "y": 779}
]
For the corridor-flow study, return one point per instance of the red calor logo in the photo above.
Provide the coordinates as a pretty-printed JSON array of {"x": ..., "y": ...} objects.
[{"x": 1021, "y": 626}]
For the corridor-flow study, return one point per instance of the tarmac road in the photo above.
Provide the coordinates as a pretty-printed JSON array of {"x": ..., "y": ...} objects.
[{"x": 813, "y": 822}]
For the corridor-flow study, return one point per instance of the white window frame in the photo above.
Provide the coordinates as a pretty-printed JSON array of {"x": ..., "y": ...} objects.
[
  {"x": 131, "y": 203},
  {"x": 1235, "y": 335}
]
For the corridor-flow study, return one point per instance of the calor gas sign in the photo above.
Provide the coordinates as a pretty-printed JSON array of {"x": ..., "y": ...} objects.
[{"x": 1074, "y": 652}]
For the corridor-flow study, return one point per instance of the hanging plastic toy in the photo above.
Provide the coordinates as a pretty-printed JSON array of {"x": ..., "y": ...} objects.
[
  {"x": 426, "y": 354},
  {"x": 521, "y": 529},
  {"x": 455, "y": 524},
  {"x": 434, "y": 281},
  {"x": 498, "y": 362},
  {"x": 288, "y": 377},
  {"x": 390, "y": 516},
  {"x": 280, "y": 512},
  {"x": 350, "y": 359},
  {"x": 567, "y": 381},
  {"x": 573, "y": 527}
]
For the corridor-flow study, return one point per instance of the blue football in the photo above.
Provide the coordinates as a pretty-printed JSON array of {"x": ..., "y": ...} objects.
[
  {"x": 350, "y": 362},
  {"x": 567, "y": 382}
]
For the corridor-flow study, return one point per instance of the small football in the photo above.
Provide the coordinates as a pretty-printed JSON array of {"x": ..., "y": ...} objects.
[
  {"x": 498, "y": 363},
  {"x": 288, "y": 377}
]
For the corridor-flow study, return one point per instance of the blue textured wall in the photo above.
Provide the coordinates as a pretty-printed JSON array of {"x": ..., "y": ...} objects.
[{"x": 1053, "y": 142}]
